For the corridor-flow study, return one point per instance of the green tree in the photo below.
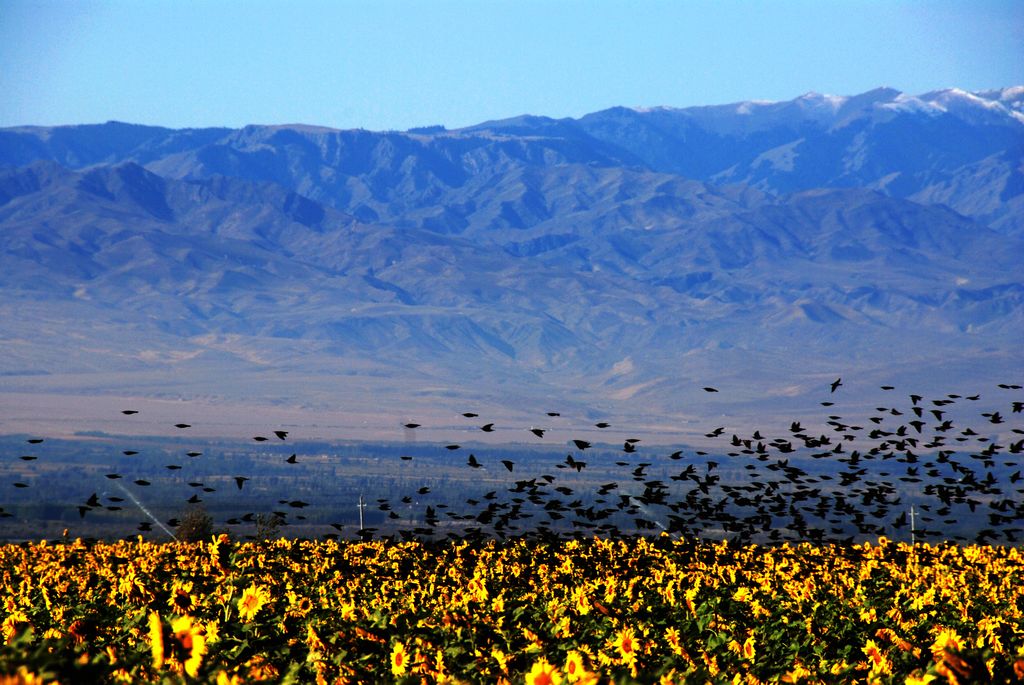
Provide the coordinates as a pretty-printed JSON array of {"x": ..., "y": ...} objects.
[
  {"x": 195, "y": 525},
  {"x": 268, "y": 526}
]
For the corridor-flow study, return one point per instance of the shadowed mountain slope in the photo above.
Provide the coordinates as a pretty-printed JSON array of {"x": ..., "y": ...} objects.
[
  {"x": 618, "y": 262},
  {"x": 614, "y": 286},
  {"x": 965, "y": 150}
]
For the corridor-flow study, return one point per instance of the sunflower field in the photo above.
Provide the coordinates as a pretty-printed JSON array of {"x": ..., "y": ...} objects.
[{"x": 647, "y": 610}]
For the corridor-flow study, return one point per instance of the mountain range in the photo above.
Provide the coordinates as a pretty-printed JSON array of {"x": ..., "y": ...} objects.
[{"x": 610, "y": 265}]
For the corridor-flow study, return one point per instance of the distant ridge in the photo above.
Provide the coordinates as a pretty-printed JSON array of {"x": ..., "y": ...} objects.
[{"x": 631, "y": 256}]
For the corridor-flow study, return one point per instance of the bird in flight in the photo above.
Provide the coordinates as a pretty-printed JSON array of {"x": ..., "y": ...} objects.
[{"x": 836, "y": 383}]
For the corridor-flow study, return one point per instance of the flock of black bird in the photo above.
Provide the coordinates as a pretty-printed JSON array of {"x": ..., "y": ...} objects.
[{"x": 910, "y": 472}]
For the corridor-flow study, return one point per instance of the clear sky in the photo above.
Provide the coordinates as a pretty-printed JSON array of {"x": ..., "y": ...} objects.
[{"x": 384, "y": 64}]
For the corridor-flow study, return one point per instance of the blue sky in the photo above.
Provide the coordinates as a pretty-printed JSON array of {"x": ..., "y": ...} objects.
[{"x": 393, "y": 65}]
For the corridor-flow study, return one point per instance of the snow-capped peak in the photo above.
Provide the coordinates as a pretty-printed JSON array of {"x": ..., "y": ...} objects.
[
  {"x": 993, "y": 107},
  {"x": 974, "y": 107},
  {"x": 823, "y": 100},
  {"x": 1011, "y": 94}
]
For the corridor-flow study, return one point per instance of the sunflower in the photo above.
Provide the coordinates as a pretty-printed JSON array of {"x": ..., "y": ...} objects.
[
  {"x": 748, "y": 651},
  {"x": 500, "y": 658},
  {"x": 224, "y": 679},
  {"x": 673, "y": 640},
  {"x": 543, "y": 673},
  {"x": 156, "y": 638},
  {"x": 947, "y": 639},
  {"x": 261, "y": 669},
  {"x": 212, "y": 632},
  {"x": 82, "y": 631},
  {"x": 298, "y": 605},
  {"x": 313, "y": 640},
  {"x": 219, "y": 554},
  {"x": 16, "y": 622},
  {"x": 574, "y": 667},
  {"x": 626, "y": 644},
  {"x": 711, "y": 661},
  {"x": 190, "y": 639},
  {"x": 878, "y": 662},
  {"x": 252, "y": 600},
  {"x": 23, "y": 677},
  {"x": 581, "y": 600},
  {"x": 399, "y": 659},
  {"x": 182, "y": 600}
]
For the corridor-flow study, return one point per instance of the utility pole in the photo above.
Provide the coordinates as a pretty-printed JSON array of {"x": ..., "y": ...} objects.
[
  {"x": 912, "y": 528},
  {"x": 362, "y": 505}
]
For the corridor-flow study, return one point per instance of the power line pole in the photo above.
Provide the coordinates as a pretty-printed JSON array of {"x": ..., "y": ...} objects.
[{"x": 912, "y": 528}]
